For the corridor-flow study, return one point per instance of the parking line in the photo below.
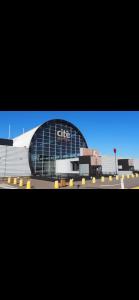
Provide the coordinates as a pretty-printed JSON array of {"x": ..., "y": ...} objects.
[{"x": 110, "y": 184}]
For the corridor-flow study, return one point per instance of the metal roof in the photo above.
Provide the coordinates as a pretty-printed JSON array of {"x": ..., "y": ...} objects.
[{"x": 24, "y": 139}]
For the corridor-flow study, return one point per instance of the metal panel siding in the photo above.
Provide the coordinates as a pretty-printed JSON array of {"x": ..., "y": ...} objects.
[
  {"x": 14, "y": 161},
  {"x": 108, "y": 164},
  {"x": 2, "y": 160},
  {"x": 125, "y": 172},
  {"x": 24, "y": 140},
  {"x": 63, "y": 166},
  {"x": 136, "y": 164},
  {"x": 84, "y": 169}
]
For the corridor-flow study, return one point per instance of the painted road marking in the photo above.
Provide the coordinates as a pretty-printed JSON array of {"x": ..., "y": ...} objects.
[
  {"x": 110, "y": 184},
  {"x": 6, "y": 186}
]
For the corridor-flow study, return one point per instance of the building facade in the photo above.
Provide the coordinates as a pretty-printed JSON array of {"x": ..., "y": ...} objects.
[
  {"x": 42, "y": 151},
  {"x": 55, "y": 149}
]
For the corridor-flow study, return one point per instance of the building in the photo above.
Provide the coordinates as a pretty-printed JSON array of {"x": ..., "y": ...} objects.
[
  {"x": 42, "y": 151},
  {"x": 56, "y": 149}
]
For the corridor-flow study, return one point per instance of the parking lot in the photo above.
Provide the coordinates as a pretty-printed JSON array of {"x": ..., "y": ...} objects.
[
  {"x": 114, "y": 184},
  {"x": 130, "y": 183}
]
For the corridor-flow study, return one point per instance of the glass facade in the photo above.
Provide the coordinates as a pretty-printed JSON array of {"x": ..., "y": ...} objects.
[{"x": 55, "y": 139}]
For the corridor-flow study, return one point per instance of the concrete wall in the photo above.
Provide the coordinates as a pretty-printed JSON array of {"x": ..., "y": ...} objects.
[
  {"x": 64, "y": 166},
  {"x": 14, "y": 161}
]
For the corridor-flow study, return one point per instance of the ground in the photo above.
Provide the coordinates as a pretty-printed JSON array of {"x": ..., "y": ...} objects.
[{"x": 131, "y": 183}]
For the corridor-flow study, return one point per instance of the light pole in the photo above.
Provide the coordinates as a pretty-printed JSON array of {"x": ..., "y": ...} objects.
[{"x": 115, "y": 150}]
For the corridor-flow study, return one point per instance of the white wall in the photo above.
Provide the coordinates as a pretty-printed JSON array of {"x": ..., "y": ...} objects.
[
  {"x": 14, "y": 161},
  {"x": 64, "y": 166},
  {"x": 108, "y": 164},
  {"x": 136, "y": 164},
  {"x": 24, "y": 140}
]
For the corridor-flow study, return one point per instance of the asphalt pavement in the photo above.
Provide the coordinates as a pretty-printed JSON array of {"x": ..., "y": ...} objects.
[{"x": 42, "y": 184}]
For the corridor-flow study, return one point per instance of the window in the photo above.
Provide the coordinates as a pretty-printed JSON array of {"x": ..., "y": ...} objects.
[
  {"x": 47, "y": 146},
  {"x": 75, "y": 165}
]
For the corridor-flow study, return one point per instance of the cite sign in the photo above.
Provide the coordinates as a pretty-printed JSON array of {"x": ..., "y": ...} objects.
[{"x": 63, "y": 133}]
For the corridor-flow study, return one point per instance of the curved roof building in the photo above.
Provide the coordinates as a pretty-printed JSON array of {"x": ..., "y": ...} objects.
[{"x": 54, "y": 140}]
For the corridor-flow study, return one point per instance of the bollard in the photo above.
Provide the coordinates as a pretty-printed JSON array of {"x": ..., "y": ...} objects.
[
  {"x": 137, "y": 175},
  {"x": 102, "y": 179},
  {"x": 21, "y": 182},
  {"x": 117, "y": 177},
  {"x": 110, "y": 178},
  {"x": 9, "y": 179},
  {"x": 28, "y": 186},
  {"x": 94, "y": 180},
  {"x": 127, "y": 176},
  {"x": 15, "y": 181},
  {"x": 123, "y": 176},
  {"x": 83, "y": 181},
  {"x": 56, "y": 184},
  {"x": 132, "y": 176},
  {"x": 71, "y": 183},
  {"x": 122, "y": 183}
]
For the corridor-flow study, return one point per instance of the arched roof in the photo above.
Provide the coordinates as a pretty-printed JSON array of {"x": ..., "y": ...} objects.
[{"x": 24, "y": 140}]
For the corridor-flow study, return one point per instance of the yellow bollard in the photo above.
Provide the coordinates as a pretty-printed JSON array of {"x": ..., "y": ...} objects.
[
  {"x": 132, "y": 176},
  {"x": 15, "y": 180},
  {"x": 71, "y": 183},
  {"x": 117, "y": 177},
  {"x": 110, "y": 178},
  {"x": 83, "y": 181},
  {"x": 123, "y": 176},
  {"x": 137, "y": 175},
  {"x": 21, "y": 182},
  {"x": 56, "y": 184},
  {"x": 9, "y": 180},
  {"x": 94, "y": 180},
  {"x": 28, "y": 185},
  {"x": 102, "y": 179},
  {"x": 127, "y": 176}
]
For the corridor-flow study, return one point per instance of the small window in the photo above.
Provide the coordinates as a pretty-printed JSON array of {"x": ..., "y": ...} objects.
[{"x": 75, "y": 166}]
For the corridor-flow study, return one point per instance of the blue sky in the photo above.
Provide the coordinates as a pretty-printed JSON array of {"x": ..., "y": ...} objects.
[{"x": 102, "y": 130}]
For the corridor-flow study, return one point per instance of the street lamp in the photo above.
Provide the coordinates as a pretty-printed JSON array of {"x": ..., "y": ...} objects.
[{"x": 115, "y": 150}]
